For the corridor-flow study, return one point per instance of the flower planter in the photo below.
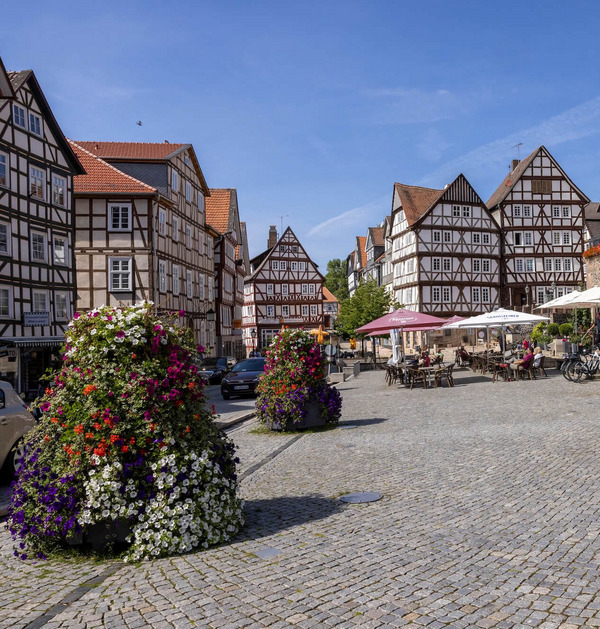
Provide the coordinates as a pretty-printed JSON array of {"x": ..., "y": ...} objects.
[
  {"x": 103, "y": 534},
  {"x": 312, "y": 419}
]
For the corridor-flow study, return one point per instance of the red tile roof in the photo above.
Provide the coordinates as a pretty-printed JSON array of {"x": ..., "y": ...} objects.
[
  {"x": 217, "y": 208},
  {"x": 361, "y": 240},
  {"x": 132, "y": 150},
  {"x": 416, "y": 200},
  {"x": 328, "y": 295},
  {"x": 377, "y": 236},
  {"x": 104, "y": 178}
]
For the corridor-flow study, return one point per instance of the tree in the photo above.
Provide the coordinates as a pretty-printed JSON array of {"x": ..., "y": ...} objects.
[
  {"x": 336, "y": 280},
  {"x": 368, "y": 302}
]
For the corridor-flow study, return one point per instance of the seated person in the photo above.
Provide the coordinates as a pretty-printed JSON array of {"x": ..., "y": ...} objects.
[
  {"x": 537, "y": 356},
  {"x": 525, "y": 363},
  {"x": 425, "y": 360}
]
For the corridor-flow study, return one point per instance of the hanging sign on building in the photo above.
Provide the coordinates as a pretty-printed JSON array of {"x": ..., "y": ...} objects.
[{"x": 36, "y": 318}]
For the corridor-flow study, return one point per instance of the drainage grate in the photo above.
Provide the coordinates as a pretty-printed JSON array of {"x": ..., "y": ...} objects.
[{"x": 361, "y": 496}]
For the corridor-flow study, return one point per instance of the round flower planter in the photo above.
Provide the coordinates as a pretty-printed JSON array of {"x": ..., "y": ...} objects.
[
  {"x": 103, "y": 535},
  {"x": 312, "y": 419}
]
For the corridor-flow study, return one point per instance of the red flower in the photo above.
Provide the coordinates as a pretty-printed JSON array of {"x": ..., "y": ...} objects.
[
  {"x": 124, "y": 448},
  {"x": 89, "y": 389},
  {"x": 78, "y": 429}
]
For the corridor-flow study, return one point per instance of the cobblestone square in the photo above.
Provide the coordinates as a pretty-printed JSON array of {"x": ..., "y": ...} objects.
[{"x": 489, "y": 518}]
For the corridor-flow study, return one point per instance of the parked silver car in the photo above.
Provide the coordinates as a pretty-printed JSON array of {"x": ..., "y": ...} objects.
[{"x": 15, "y": 421}]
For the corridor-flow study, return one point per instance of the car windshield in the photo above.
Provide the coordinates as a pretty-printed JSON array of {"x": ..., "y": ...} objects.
[
  {"x": 212, "y": 362},
  {"x": 253, "y": 364}
]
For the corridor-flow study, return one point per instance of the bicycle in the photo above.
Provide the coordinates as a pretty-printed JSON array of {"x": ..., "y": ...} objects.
[{"x": 580, "y": 369}]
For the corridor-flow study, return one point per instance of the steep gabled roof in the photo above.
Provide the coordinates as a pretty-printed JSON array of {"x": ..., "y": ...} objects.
[
  {"x": 6, "y": 88},
  {"x": 103, "y": 178},
  {"x": 592, "y": 219},
  {"x": 218, "y": 206},
  {"x": 416, "y": 200},
  {"x": 328, "y": 295},
  {"x": 360, "y": 248},
  {"x": 376, "y": 234},
  {"x": 159, "y": 151}
]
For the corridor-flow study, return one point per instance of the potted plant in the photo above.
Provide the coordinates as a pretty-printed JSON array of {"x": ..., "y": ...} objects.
[
  {"x": 126, "y": 448},
  {"x": 541, "y": 334},
  {"x": 293, "y": 392}
]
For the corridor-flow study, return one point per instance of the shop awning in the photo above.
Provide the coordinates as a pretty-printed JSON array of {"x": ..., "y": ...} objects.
[{"x": 32, "y": 342}]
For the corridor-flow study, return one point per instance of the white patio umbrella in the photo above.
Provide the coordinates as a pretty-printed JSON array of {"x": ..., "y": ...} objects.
[
  {"x": 589, "y": 298},
  {"x": 396, "y": 351},
  {"x": 560, "y": 302}
]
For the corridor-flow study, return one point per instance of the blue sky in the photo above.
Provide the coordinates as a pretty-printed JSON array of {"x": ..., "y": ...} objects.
[{"x": 313, "y": 109}]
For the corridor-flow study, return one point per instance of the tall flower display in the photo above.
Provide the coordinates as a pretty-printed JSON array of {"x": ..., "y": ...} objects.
[
  {"x": 294, "y": 379},
  {"x": 126, "y": 437}
]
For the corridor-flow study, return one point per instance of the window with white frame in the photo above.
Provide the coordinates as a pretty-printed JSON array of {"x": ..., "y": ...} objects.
[
  {"x": 38, "y": 247},
  {"x": 475, "y": 294},
  {"x": 456, "y": 210},
  {"x": 567, "y": 264},
  {"x": 541, "y": 295},
  {"x": 446, "y": 294},
  {"x": 162, "y": 222},
  {"x": 39, "y": 301},
  {"x": 283, "y": 265},
  {"x": 269, "y": 289},
  {"x": 4, "y": 239},
  {"x": 517, "y": 211},
  {"x": 519, "y": 265},
  {"x": 305, "y": 311},
  {"x": 527, "y": 211},
  {"x": 285, "y": 311},
  {"x": 5, "y": 301},
  {"x": 302, "y": 266},
  {"x": 35, "y": 124},
  {"x": 175, "y": 228},
  {"x": 436, "y": 294},
  {"x": 313, "y": 310},
  {"x": 201, "y": 281},
  {"x": 566, "y": 238},
  {"x": 447, "y": 236},
  {"x": 201, "y": 201},
  {"x": 119, "y": 217},
  {"x": 436, "y": 264},
  {"x": 59, "y": 186},
  {"x": 188, "y": 236},
  {"x": 566, "y": 211},
  {"x": 4, "y": 170},
  {"x": 19, "y": 116},
  {"x": 37, "y": 182},
  {"x": 188, "y": 191},
  {"x": 293, "y": 266},
  {"x": 556, "y": 211},
  {"x": 556, "y": 238},
  {"x": 518, "y": 239},
  {"x": 211, "y": 288},
  {"x": 59, "y": 247},
  {"x": 476, "y": 265},
  {"x": 466, "y": 212},
  {"x": 485, "y": 266},
  {"x": 305, "y": 289},
  {"x": 311, "y": 289},
  {"x": 61, "y": 306},
  {"x": 529, "y": 265},
  {"x": 476, "y": 238},
  {"x": 284, "y": 289},
  {"x": 528, "y": 237},
  {"x": 485, "y": 295},
  {"x": 189, "y": 284},
  {"x": 437, "y": 236},
  {"x": 176, "y": 279},
  {"x": 486, "y": 239},
  {"x": 275, "y": 265},
  {"x": 120, "y": 274},
  {"x": 162, "y": 276},
  {"x": 270, "y": 311},
  {"x": 174, "y": 180},
  {"x": 548, "y": 264},
  {"x": 447, "y": 263},
  {"x": 558, "y": 264}
]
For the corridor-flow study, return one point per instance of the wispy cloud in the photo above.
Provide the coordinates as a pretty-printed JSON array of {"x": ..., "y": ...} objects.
[
  {"x": 356, "y": 216},
  {"x": 403, "y": 105},
  {"x": 431, "y": 146},
  {"x": 575, "y": 123}
]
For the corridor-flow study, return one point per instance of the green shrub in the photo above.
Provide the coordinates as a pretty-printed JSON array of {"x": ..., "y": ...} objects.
[
  {"x": 565, "y": 329},
  {"x": 553, "y": 329}
]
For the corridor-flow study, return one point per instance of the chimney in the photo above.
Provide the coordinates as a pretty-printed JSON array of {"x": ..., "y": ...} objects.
[
  {"x": 272, "y": 237},
  {"x": 514, "y": 164}
]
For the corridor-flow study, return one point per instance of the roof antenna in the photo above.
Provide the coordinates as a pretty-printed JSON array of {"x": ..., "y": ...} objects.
[
  {"x": 518, "y": 147},
  {"x": 282, "y": 217}
]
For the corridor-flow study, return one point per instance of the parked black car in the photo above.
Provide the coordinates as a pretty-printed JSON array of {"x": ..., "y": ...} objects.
[
  {"x": 243, "y": 378},
  {"x": 213, "y": 368}
]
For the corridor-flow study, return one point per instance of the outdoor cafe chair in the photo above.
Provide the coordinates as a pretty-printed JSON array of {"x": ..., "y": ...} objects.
[
  {"x": 416, "y": 375},
  {"x": 444, "y": 372}
]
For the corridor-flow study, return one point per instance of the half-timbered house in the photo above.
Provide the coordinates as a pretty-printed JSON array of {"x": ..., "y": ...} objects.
[
  {"x": 356, "y": 263},
  {"x": 37, "y": 277},
  {"x": 541, "y": 214},
  {"x": 284, "y": 288},
  {"x": 231, "y": 266},
  {"x": 445, "y": 250},
  {"x": 146, "y": 196}
]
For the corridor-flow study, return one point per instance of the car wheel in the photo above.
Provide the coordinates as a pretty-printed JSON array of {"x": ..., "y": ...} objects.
[
  {"x": 226, "y": 396},
  {"x": 14, "y": 458}
]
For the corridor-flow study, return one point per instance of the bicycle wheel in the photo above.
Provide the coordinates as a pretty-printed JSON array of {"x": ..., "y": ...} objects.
[
  {"x": 564, "y": 368},
  {"x": 577, "y": 371}
]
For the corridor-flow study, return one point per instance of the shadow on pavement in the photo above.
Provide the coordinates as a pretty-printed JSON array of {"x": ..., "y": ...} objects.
[
  {"x": 271, "y": 515},
  {"x": 363, "y": 422}
]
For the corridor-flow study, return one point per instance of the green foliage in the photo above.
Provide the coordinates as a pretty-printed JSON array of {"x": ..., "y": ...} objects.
[
  {"x": 336, "y": 280},
  {"x": 368, "y": 302},
  {"x": 582, "y": 318},
  {"x": 553, "y": 329},
  {"x": 541, "y": 333},
  {"x": 565, "y": 329}
]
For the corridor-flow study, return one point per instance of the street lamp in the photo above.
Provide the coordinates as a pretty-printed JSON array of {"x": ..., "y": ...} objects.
[
  {"x": 253, "y": 335},
  {"x": 527, "y": 289}
]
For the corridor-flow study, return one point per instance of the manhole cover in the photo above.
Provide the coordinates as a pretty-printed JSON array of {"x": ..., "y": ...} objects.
[{"x": 361, "y": 496}]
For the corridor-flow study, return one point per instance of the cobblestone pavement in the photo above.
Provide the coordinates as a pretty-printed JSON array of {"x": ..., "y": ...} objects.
[{"x": 489, "y": 518}]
